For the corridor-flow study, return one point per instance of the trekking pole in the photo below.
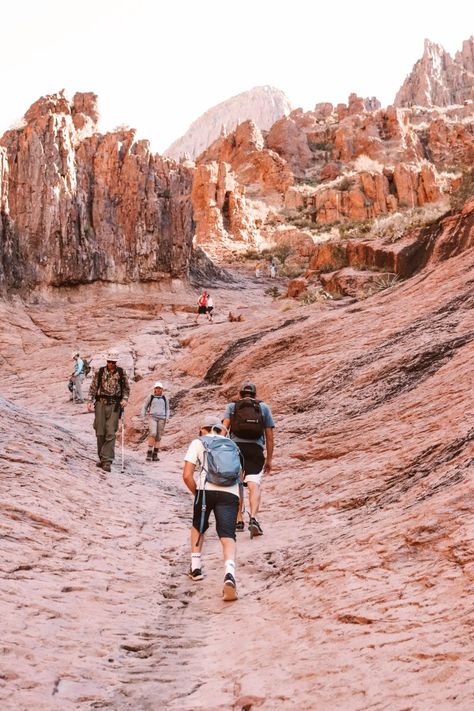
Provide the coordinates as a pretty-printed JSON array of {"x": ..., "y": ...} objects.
[{"x": 123, "y": 442}]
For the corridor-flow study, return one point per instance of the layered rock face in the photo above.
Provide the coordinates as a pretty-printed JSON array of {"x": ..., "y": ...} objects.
[
  {"x": 334, "y": 165},
  {"x": 263, "y": 105},
  {"x": 439, "y": 80},
  {"x": 78, "y": 206}
]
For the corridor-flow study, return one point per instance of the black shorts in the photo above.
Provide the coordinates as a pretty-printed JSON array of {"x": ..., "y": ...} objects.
[
  {"x": 225, "y": 507},
  {"x": 210, "y": 309},
  {"x": 253, "y": 457},
  {"x": 202, "y": 309}
]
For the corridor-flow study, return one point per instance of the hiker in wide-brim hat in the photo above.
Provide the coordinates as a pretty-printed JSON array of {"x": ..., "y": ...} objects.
[{"x": 108, "y": 393}]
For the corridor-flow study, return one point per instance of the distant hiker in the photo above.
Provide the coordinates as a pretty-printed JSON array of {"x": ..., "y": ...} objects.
[
  {"x": 109, "y": 393},
  {"x": 251, "y": 425},
  {"x": 273, "y": 270},
  {"x": 210, "y": 307},
  {"x": 217, "y": 462},
  {"x": 77, "y": 378},
  {"x": 258, "y": 270},
  {"x": 202, "y": 306},
  {"x": 156, "y": 406}
]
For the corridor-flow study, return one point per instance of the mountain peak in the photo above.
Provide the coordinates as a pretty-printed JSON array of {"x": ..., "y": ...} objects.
[
  {"x": 439, "y": 80},
  {"x": 263, "y": 104}
]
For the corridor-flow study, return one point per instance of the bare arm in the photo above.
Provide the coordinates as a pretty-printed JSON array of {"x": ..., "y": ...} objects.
[
  {"x": 188, "y": 478},
  {"x": 226, "y": 423},
  {"x": 269, "y": 445}
]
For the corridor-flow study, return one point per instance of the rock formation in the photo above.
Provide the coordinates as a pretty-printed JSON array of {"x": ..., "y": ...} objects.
[
  {"x": 439, "y": 80},
  {"x": 78, "y": 206},
  {"x": 263, "y": 105},
  {"x": 353, "y": 163}
]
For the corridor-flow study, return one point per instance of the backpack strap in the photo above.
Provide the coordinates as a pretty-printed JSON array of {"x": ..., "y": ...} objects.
[
  {"x": 203, "y": 490},
  {"x": 99, "y": 381},
  {"x": 148, "y": 405}
]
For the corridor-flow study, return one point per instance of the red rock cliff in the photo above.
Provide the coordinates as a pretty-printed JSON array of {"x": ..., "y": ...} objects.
[{"x": 78, "y": 206}]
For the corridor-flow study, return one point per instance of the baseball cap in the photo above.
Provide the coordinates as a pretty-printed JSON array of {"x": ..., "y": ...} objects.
[
  {"x": 212, "y": 421},
  {"x": 249, "y": 388},
  {"x": 158, "y": 384}
]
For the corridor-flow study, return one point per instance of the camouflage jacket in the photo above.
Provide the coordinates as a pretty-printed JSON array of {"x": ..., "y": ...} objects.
[{"x": 110, "y": 385}]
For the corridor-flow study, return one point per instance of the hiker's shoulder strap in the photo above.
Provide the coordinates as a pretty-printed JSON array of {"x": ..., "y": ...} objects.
[{"x": 149, "y": 401}]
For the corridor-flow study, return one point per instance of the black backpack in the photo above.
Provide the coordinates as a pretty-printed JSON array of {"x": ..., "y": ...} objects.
[
  {"x": 247, "y": 419},
  {"x": 86, "y": 367}
]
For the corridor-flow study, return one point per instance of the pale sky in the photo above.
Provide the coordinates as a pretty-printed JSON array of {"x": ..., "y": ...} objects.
[{"x": 157, "y": 67}]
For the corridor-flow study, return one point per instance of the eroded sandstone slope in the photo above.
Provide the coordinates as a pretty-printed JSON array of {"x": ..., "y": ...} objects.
[{"x": 359, "y": 594}]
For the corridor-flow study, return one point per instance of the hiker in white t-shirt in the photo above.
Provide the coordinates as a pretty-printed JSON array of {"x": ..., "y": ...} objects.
[{"x": 208, "y": 497}]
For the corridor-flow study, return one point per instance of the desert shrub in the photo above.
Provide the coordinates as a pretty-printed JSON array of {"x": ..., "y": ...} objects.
[
  {"x": 465, "y": 189},
  {"x": 345, "y": 184},
  {"x": 312, "y": 181},
  {"x": 385, "y": 282},
  {"x": 251, "y": 254},
  {"x": 354, "y": 229},
  {"x": 273, "y": 291},
  {"x": 312, "y": 296},
  {"x": 320, "y": 146},
  {"x": 394, "y": 226},
  {"x": 292, "y": 270},
  {"x": 280, "y": 252},
  {"x": 365, "y": 164}
]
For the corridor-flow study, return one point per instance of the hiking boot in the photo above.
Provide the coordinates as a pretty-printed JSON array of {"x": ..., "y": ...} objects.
[
  {"x": 196, "y": 574},
  {"x": 155, "y": 457},
  {"x": 255, "y": 528},
  {"x": 106, "y": 466},
  {"x": 148, "y": 456},
  {"x": 229, "y": 592},
  {"x": 239, "y": 526}
]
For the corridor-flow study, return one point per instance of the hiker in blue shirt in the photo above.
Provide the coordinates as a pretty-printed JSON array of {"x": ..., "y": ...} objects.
[
  {"x": 77, "y": 378},
  {"x": 157, "y": 407},
  {"x": 251, "y": 425}
]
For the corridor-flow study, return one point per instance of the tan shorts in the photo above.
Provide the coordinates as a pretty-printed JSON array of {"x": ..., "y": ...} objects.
[{"x": 156, "y": 427}]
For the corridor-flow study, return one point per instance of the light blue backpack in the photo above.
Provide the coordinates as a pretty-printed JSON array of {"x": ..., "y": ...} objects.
[
  {"x": 221, "y": 460},
  {"x": 221, "y": 465}
]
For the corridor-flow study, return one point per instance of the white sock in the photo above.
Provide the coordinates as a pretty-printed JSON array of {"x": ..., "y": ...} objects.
[
  {"x": 195, "y": 561},
  {"x": 230, "y": 567}
]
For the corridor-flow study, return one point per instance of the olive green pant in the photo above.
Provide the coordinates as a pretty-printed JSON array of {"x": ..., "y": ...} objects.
[{"x": 106, "y": 424}]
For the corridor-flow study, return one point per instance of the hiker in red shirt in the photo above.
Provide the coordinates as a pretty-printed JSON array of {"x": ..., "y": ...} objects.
[{"x": 202, "y": 306}]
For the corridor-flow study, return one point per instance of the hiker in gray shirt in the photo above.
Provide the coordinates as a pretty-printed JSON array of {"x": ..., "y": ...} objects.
[{"x": 157, "y": 408}]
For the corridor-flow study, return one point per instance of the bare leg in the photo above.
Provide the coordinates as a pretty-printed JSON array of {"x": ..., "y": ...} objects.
[
  {"x": 228, "y": 548},
  {"x": 195, "y": 546},
  {"x": 254, "y": 498}
]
